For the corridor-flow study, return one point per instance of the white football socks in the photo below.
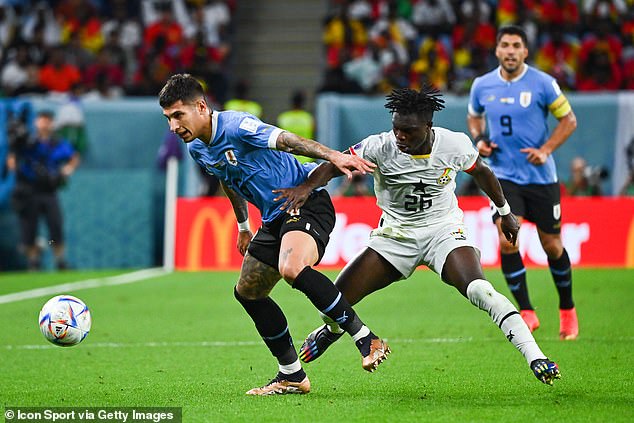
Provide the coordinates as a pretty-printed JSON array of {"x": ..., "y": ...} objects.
[
  {"x": 289, "y": 369},
  {"x": 482, "y": 294}
]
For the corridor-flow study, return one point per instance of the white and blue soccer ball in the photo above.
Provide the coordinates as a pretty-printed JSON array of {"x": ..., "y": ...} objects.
[{"x": 65, "y": 320}]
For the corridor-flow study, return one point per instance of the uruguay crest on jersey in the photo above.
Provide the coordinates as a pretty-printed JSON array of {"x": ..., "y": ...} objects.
[{"x": 525, "y": 98}]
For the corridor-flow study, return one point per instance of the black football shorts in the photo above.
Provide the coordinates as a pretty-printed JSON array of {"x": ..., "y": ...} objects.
[
  {"x": 540, "y": 204},
  {"x": 316, "y": 218}
]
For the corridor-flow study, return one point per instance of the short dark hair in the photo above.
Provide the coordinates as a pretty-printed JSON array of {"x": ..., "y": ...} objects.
[
  {"x": 46, "y": 113},
  {"x": 408, "y": 101},
  {"x": 512, "y": 30},
  {"x": 183, "y": 87}
]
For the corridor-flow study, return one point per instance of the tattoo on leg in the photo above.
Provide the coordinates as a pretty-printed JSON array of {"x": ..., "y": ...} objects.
[
  {"x": 256, "y": 278},
  {"x": 284, "y": 254}
]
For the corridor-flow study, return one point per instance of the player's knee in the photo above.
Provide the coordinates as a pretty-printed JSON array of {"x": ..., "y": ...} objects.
[
  {"x": 290, "y": 269},
  {"x": 246, "y": 291},
  {"x": 484, "y": 296},
  {"x": 553, "y": 248}
]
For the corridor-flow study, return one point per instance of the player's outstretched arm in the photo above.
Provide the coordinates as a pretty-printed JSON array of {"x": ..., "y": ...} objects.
[
  {"x": 241, "y": 210},
  {"x": 297, "y": 196},
  {"x": 488, "y": 182},
  {"x": 346, "y": 163}
]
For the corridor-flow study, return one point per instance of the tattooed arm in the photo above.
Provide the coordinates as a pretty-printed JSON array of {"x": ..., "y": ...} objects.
[
  {"x": 346, "y": 163},
  {"x": 240, "y": 209}
]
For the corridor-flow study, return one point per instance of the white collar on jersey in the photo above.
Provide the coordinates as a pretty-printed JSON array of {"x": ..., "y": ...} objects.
[
  {"x": 517, "y": 78},
  {"x": 214, "y": 125}
]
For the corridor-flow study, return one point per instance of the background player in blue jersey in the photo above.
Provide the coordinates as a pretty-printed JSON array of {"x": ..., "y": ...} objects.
[
  {"x": 251, "y": 159},
  {"x": 515, "y": 100}
]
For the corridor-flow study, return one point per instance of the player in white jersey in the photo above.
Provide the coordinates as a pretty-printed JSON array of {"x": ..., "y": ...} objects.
[{"x": 421, "y": 224}]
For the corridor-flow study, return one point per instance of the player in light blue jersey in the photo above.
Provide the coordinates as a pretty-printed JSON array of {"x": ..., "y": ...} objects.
[
  {"x": 251, "y": 159},
  {"x": 513, "y": 102}
]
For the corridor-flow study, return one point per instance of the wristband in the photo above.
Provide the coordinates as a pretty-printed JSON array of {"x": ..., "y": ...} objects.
[
  {"x": 505, "y": 209},
  {"x": 480, "y": 137},
  {"x": 244, "y": 226}
]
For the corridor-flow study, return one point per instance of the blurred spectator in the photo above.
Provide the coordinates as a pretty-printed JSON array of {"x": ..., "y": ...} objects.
[
  {"x": 8, "y": 27},
  {"x": 70, "y": 123},
  {"x": 559, "y": 14},
  {"x": 365, "y": 70},
  {"x": 44, "y": 163},
  {"x": 433, "y": 17},
  {"x": 19, "y": 75},
  {"x": 242, "y": 102},
  {"x": 81, "y": 18},
  {"x": 345, "y": 38},
  {"x": 558, "y": 57},
  {"x": 57, "y": 74},
  {"x": 599, "y": 67},
  {"x": 103, "y": 71},
  {"x": 122, "y": 32},
  {"x": 432, "y": 65},
  {"x": 41, "y": 25},
  {"x": 400, "y": 30},
  {"x": 298, "y": 120},
  {"x": 595, "y": 11},
  {"x": 584, "y": 180},
  {"x": 76, "y": 54},
  {"x": 160, "y": 23}
]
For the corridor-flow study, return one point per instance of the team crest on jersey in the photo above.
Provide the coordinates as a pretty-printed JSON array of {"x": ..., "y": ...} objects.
[
  {"x": 444, "y": 178},
  {"x": 231, "y": 157},
  {"x": 525, "y": 98}
]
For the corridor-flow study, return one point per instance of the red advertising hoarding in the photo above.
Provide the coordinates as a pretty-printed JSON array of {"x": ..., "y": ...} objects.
[{"x": 597, "y": 232}]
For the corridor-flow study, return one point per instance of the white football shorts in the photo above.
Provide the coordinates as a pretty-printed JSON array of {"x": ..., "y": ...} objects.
[{"x": 408, "y": 248}]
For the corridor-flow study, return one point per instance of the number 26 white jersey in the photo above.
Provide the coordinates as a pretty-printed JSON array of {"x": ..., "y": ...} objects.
[{"x": 418, "y": 191}]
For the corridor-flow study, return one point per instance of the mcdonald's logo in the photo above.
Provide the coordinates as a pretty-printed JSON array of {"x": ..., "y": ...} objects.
[
  {"x": 206, "y": 234},
  {"x": 221, "y": 226}
]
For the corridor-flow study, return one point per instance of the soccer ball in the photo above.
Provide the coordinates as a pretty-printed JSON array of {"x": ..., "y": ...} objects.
[{"x": 65, "y": 320}]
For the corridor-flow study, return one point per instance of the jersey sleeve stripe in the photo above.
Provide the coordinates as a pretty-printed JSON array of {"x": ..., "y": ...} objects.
[
  {"x": 470, "y": 169},
  {"x": 351, "y": 150},
  {"x": 273, "y": 138},
  {"x": 473, "y": 112},
  {"x": 560, "y": 107}
]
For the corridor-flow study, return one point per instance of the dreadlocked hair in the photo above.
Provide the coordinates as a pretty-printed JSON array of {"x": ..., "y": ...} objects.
[{"x": 407, "y": 101}]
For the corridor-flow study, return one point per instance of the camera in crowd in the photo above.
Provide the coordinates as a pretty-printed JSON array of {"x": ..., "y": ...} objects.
[
  {"x": 595, "y": 175},
  {"x": 18, "y": 133}
]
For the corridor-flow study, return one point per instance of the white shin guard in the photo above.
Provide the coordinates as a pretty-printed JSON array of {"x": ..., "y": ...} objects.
[{"x": 482, "y": 294}]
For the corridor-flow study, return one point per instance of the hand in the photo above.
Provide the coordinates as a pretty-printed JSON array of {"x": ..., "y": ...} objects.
[
  {"x": 510, "y": 227},
  {"x": 67, "y": 170},
  {"x": 295, "y": 197},
  {"x": 244, "y": 239},
  {"x": 346, "y": 163},
  {"x": 11, "y": 164},
  {"x": 535, "y": 156},
  {"x": 486, "y": 147}
]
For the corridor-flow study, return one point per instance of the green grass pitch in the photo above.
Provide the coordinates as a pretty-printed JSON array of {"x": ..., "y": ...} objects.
[{"x": 182, "y": 340}]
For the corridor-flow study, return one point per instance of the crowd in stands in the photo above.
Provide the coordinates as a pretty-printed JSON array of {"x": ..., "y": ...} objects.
[
  {"x": 109, "y": 48},
  {"x": 372, "y": 46}
]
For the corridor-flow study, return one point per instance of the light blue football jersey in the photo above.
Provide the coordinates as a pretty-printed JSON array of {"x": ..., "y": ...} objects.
[
  {"x": 241, "y": 154},
  {"x": 516, "y": 112}
]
